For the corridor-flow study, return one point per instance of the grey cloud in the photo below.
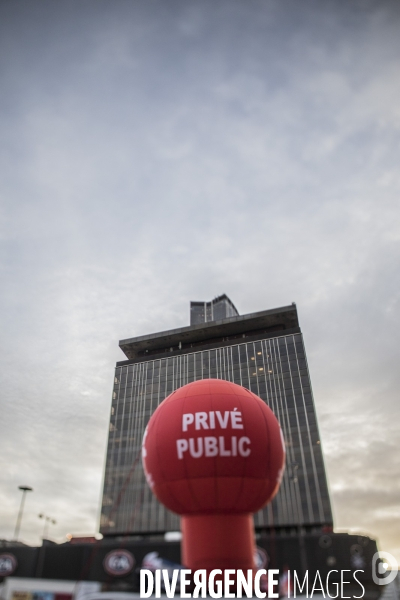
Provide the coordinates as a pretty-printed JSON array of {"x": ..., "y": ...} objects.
[{"x": 154, "y": 154}]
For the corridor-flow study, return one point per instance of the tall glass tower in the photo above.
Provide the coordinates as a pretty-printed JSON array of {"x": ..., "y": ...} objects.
[{"x": 263, "y": 352}]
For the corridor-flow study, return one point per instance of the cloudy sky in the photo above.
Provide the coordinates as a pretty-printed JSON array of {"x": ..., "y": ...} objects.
[{"x": 154, "y": 153}]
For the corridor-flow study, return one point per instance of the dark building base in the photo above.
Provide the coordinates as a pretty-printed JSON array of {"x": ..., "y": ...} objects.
[{"x": 296, "y": 551}]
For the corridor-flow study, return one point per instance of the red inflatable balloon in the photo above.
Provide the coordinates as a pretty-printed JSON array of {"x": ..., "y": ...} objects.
[{"x": 213, "y": 448}]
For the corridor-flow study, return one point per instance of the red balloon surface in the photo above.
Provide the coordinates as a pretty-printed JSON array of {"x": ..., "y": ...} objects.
[{"x": 213, "y": 447}]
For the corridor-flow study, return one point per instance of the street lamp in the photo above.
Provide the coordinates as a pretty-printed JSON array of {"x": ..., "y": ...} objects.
[
  {"x": 47, "y": 521},
  {"x": 24, "y": 489}
]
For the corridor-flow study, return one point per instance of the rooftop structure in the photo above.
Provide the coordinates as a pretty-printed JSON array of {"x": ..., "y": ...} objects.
[
  {"x": 215, "y": 310},
  {"x": 222, "y": 332}
]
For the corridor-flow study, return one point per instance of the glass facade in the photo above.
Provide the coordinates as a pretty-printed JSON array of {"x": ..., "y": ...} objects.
[
  {"x": 276, "y": 370},
  {"x": 219, "y": 308}
]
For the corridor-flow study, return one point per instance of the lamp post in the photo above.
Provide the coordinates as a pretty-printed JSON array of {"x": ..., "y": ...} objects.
[
  {"x": 47, "y": 521},
  {"x": 24, "y": 489}
]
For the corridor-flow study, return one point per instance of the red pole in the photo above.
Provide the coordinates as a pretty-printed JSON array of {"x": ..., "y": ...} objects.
[{"x": 218, "y": 542}]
